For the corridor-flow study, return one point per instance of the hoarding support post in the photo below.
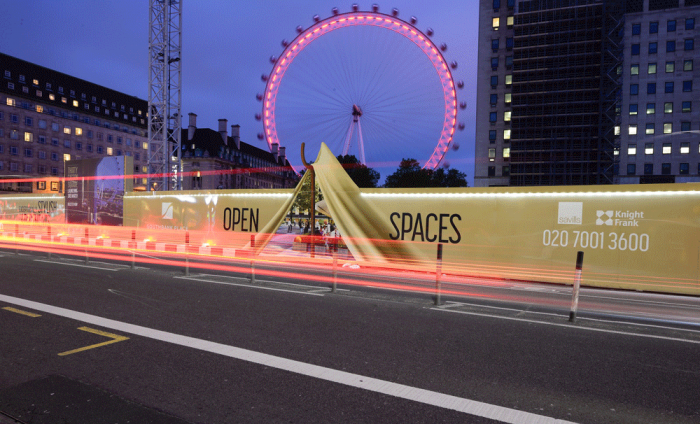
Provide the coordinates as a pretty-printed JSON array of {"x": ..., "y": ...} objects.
[
  {"x": 252, "y": 259},
  {"x": 187, "y": 251},
  {"x": 16, "y": 235},
  {"x": 87, "y": 234},
  {"x": 48, "y": 232},
  {"x": 335, "y": 266},
  {"x": 438, "y": 273},
  {"x": 133, "y": 251},
  {"x": 577, "y": 286}
]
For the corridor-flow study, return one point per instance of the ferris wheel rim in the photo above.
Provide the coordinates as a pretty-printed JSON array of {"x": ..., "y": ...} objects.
[{"x": 366, "y": 18}]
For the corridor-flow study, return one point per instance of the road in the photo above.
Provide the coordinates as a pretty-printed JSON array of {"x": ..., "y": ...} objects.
[{"x": 106, "y": 343}]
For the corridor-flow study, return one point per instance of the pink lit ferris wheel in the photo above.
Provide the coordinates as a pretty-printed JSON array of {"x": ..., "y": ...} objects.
[{"x": 365, "y": 83}]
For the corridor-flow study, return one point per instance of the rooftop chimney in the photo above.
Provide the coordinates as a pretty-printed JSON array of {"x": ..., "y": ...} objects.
[
  {"x": 283, "y": 156},
  {"x": 192, "y": 127},
  {"x": 275, "y": 150},
  {"x": 236, "y": 135},
  {"x": 222, "y": 130}
]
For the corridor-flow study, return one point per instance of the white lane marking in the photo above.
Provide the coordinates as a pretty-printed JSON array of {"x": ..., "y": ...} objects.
[
  {"x": 248, "y": 285},
  {"x": 80, "y": 265},
  {"x": 468, "y": 406},
  {"x": 650, "y": 336}
]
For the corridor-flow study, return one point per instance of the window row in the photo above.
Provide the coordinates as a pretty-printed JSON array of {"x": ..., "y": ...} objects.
[
  {"x": 686, "y": 107},
  {"x": 669, "y": 87},
  {"x": 507, "y": 99},
  {"x": 650, "y": 128},
  {"x": 42, "y": 139},
  {"x": 666, "y": 148},
  {"x": 670, "y": 26},
  {"x": 670, "y": 67},
  {"x": 508, "y": 80},
  {"x": 496, "y": 22},
  {"x": 683, "y": 169},
  {"x": 55, "y": 156},
  {"x": 495, "y": 43},
  {"x": 505, "y": 171},
  {"x": 653, "y": 48}
]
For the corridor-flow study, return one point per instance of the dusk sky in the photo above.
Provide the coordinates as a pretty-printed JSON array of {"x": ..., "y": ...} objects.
[{"x": 226, "y": 48}]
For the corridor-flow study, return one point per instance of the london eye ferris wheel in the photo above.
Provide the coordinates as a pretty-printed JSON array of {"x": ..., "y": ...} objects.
[{"x": 365, "y": 83}]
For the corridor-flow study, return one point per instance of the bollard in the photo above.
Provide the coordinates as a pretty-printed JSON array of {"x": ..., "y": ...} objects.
[
  {"x": 438, "y": 273},
  {"x": 87, "y": 243},
  {"x": 187, "y": 251},
  {"x": 252, "y": 260},
  {"x": 133, "y": 251},
  {"x": 577, "y": 286},
  {"x": 334, "y": 248}
]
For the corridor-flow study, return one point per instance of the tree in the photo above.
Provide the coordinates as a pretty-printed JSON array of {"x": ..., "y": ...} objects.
[
  {"x": 360, "y": 174},
  {"x": 451, "y": 178},
  {"x": 410, "y": 174},
  {"x": 303, "y": 200}
]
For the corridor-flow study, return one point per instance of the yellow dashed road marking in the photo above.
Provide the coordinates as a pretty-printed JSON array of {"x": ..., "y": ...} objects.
[
  {"x": 115, "y": 338},
  {"x": 18, "y": 311}
]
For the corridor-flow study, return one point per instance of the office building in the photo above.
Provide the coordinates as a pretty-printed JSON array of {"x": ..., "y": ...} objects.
[{"x": 560, "y": 92}]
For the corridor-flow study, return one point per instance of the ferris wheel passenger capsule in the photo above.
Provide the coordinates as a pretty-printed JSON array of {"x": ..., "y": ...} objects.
[
  {"x": 445, "y": 164},
  {"x": 316, "y": 18},
  {"x": 413, "y": 20},
  {"x": 455, "y": 146},
  {"x": 261, "y": 136},
  {"x": 443, "y": 47},
  {"x": 263, "y": 77},
  {"x": 273, "y": 59},
  {"x": 463, "y": 105},
  {"x": 285, "y": 43},
  {"x": 461, "y": 126},
  {"x": 355, "y": 7},
  {"x": 375, "y": 8},
  {"x": 453, "y": 64},
  {"x": 395, "y": 12},
  {"x": 430, "y": 32},
  {"x": 300, "y": 29},
  {"x": 460, "y": 84},
  {"x": 335, "y": 11},
  {"x": 259, "y": 97},
  {"x": 258, "y": 117}
]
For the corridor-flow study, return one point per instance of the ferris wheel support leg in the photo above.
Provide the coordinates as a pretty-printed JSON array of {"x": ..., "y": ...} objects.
[
  {"x": 346, "y": 145},
  {"x": 362, "y": 143}
]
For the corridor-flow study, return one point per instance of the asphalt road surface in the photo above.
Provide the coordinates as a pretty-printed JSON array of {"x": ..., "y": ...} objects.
[{"x": 104, "y": 343}]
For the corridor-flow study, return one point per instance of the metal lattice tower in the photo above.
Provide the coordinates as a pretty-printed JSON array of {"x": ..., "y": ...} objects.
[{"x": 164, "y": 95}]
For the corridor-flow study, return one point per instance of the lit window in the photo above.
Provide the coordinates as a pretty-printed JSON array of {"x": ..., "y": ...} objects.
[
  {"x": 64, "y": 100},
  {"x": 670, "y": 67},
  {"x": 509, "y": 80},
  {"x": 78, "y": 131},
  {"x": 668, "y": 127},
  {"x": 66, "y": 130},
  {"x": 666, "y": 148},
  {"x": 145, "y": 145},
  {"x": 506, "y": 116},
  {"x": 109, "y": 151},
  {"x": 66, "y": 156},
  {"x": 668, "y": 107},
  {"x": 10, "y": 101},
  {"x": 616, "y": 151},
  {"x": 649, "y": 149},
  {"x": 631, "y": 149},
  {"x": 144, "y": 169},
  {"x": 617, "y": 130},
  {"x": 633, "y": 109},
  {"x": 685, "y": 148},
  {"x": 492, "y": 155},
  {"x": 506, "y": 152},
  {"x": 632, "y": 129},
  {"x": 685, "y": 107},
  {"x": 75, "y": 103},
  {"x": 496, "y": 22},
  {"x": 39, "y": 108},
  {"x": 507, "y": 97},
  {"x": 510, "y": 21},
  {"x": 651, "y": 108},
  {"x": 688, "y": 65},
  {"x": 506, "y": 134},
  {"x": 634, "y": 69},
  {"x": 35, "y": 82},
  {"x": 29, "y": 137},
  {"x": 650, "y": 128},
  {"x": 52, "y": 97},
  {"x": 652, "y": 68}
]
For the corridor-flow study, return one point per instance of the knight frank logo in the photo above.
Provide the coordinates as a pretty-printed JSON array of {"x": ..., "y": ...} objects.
[
  {"x": 604, "y": 218},
  {"x": 166, "y": 210},
  {"x": 570, "y": 213}
]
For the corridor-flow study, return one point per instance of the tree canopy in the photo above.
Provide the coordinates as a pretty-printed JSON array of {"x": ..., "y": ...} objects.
[
  {"x": 361, "y": 175},
  {"x": 410, "y": 174}
]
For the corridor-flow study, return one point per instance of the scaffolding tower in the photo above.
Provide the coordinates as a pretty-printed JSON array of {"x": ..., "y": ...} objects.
[
  {"x": 566, "y": 92},
  {"x": 164, "y": 95}
]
